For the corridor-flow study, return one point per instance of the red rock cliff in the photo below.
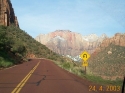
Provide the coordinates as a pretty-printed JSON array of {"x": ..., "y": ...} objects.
[
  {"x": 7, "y": 15},
  {"x": 65, "y": 42},
  {"x": 117, "y": 39}
]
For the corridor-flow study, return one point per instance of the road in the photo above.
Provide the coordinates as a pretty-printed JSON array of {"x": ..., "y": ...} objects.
[{"x": 42, "y": 76}]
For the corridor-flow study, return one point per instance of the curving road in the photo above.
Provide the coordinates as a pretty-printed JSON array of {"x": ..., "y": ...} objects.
[{"x": 42, "y": 76}]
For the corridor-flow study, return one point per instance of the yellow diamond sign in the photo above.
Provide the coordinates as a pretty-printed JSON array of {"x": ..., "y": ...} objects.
[
  {"x": 85, "y": 56},
  {"x": 85, "y": 63}
]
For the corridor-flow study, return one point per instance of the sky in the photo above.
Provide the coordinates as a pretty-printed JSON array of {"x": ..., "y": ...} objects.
[{"x": 82, "y": 16}]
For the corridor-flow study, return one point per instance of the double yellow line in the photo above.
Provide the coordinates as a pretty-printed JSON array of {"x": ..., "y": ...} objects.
[{"x": 22, "y": 83}]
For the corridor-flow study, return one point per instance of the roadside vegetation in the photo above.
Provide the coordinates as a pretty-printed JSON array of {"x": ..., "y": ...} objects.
[
  {"x": 78, "y": 69},
  {"x": 16, "y": 46},
  {"x": 108, "y": 66}
]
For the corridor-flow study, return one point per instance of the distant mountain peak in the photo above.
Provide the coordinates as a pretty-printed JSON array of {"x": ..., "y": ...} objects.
[
  {"x": 62, "y": 31},
  {"x": 66, "y": 42},
  {"x": 91, "y": 37},
  {"x": 104, "y": 35}
]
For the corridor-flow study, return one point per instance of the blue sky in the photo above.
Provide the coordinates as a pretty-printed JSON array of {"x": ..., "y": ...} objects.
[{"x": 81, "y": 16}]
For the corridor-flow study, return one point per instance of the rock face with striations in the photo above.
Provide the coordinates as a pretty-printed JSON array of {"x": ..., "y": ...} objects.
[
  {"x": 117, "y": 39},
  {"x": 65, "y": 42},
  {"x": 7, "y": 15}
]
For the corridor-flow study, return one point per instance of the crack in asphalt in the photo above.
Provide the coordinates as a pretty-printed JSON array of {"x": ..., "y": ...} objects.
[{"x": 38, "y": 83}]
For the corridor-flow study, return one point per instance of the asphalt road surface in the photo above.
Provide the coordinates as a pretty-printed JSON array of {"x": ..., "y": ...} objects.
[{"x": 43, "y": 76}]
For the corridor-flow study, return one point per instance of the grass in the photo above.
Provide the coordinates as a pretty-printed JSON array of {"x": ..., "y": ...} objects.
[
  {"x": 99, "y": 80},
  {"x": 5, "y": 63},
  {"x": 5, "y": 60},
  {"x": 79, "y": 71}
]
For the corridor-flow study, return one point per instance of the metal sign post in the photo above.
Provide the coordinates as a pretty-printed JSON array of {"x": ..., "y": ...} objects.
[{"x": 85, "y": 69}]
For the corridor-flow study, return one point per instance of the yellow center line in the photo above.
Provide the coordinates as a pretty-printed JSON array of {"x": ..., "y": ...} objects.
[{"x": 22, "y": 83}]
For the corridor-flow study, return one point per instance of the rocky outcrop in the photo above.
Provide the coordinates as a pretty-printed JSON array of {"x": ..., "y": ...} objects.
[
  {"x": 70, "y": 43},
  {"x": 117, "y": 39},
  {"x": 30, "y": 55},
  {"x": 108, "y": 60},
  {"x": 7, "y": 15}
]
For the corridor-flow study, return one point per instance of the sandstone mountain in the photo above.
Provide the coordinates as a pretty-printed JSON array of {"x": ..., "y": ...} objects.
[
  {"x": 7, "y": 15},
  {"x": 65, "y": 42},
  {"x": 108, "y": 60},
  {"x": 118, "y": 39}
]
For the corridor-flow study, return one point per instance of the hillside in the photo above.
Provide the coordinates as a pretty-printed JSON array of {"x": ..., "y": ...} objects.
[
  {"x": 16, "y": 46},
  {"x": 108, "y": 61}
]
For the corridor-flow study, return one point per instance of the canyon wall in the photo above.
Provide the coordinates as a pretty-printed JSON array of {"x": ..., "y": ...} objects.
[{"x": 7, "y": 15}]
